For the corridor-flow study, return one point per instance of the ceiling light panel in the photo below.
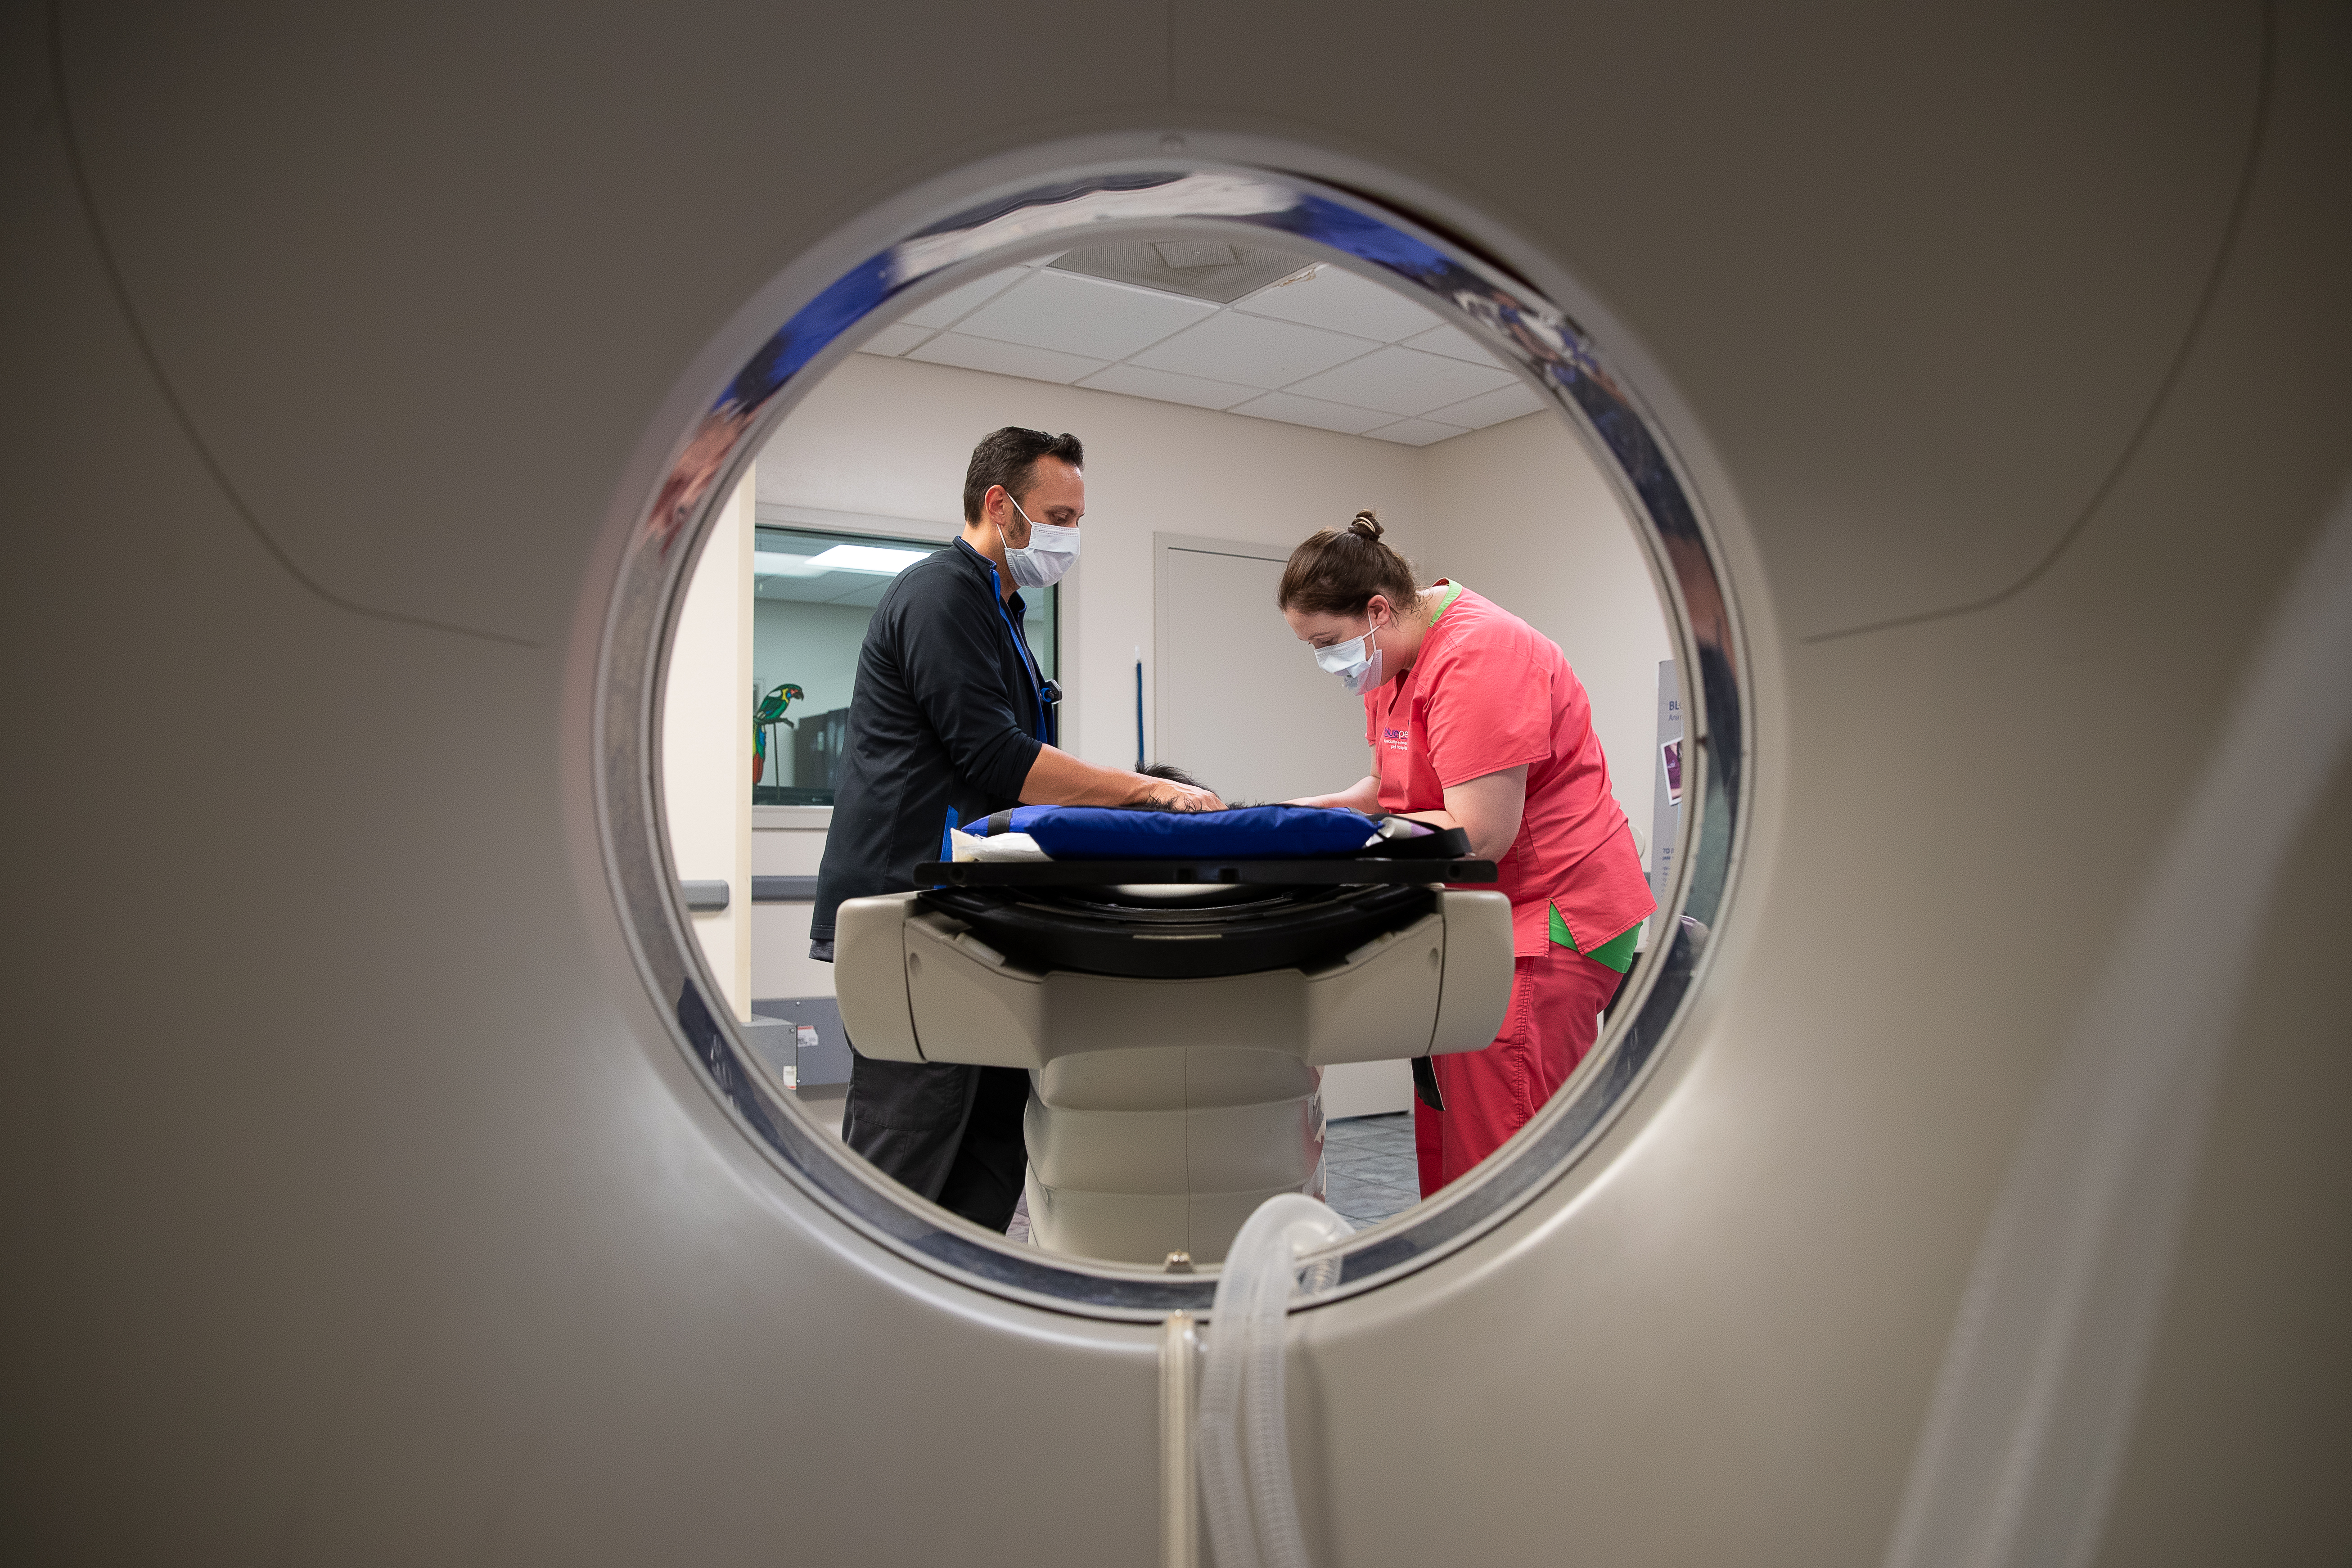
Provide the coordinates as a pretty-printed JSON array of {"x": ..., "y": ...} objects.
[
  {"x": 832, "y": 588},
  {"x": 1342, "y": 302},
  {"x": 875, "y": 558},
  {"x": 1251, "y": 350},
  {"x": 1005, "y": 359},
  {"x": 1402, "y": 381},
  {"x": 1076, "y": 315}
]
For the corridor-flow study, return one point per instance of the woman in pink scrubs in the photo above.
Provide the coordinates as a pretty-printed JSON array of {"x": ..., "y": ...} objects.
[{"x": 1475, "y": 721}]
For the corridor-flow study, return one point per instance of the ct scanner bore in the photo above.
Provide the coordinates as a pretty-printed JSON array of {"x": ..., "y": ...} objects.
[
  {"x": 1513, "y": 324},
  {"x": 359, "y": 1204}
]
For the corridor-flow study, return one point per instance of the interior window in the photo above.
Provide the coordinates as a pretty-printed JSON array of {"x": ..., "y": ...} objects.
[{"x": 813, "y": 595}]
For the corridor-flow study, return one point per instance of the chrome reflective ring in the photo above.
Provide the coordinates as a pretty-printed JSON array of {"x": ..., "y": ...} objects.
[{"x": 1513, "y": 322}]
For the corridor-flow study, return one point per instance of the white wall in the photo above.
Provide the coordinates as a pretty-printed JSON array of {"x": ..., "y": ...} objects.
[
  {"x": 707, "y": 743},
  {"x": 892, "y": 437},
  {"x": 1528, "y": 521},
  {"x": 787, "y": 841}
]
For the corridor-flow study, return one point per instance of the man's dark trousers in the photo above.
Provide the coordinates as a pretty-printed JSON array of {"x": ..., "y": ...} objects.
[{"x": 952, "y": 1132}]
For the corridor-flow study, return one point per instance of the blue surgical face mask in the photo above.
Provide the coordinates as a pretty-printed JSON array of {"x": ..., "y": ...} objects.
[
  {"x": 1048, "y": 556},
  {"x": 1356, "y": 662}
]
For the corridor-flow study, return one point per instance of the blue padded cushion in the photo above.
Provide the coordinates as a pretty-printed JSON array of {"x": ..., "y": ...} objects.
[{"x": 1251, "y": 833}]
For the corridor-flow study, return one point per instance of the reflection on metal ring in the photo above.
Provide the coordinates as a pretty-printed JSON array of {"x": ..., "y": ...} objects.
[{"x": 1513, "y": 324}]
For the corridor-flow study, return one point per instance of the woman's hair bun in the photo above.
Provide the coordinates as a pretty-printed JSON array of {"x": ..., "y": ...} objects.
[{"x": 1327, "y": 576}]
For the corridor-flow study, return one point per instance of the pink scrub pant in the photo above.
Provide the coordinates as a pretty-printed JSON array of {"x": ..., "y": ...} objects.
[{"x": 1556, "y": 1001}]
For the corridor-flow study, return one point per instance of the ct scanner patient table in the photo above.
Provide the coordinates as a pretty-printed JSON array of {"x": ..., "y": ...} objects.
[{"x": 1175, "y": 1007}]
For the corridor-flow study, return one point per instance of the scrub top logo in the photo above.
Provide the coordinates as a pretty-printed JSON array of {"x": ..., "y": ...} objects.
[{"x": 1392, "y": 737}]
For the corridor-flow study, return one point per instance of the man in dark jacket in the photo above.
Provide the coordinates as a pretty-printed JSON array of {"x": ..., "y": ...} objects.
[{"x": 952, "y": 719}]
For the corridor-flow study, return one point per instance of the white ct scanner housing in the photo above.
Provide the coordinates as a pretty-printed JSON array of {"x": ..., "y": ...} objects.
[
  {"x": 373, "y": 1192},
  {"x": 1164, "y": 1110}
]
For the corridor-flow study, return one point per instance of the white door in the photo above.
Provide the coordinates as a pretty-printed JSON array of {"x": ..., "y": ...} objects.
[
  {"x": 1243, "y": 708},
  {"x": 1242, "y": 705}
]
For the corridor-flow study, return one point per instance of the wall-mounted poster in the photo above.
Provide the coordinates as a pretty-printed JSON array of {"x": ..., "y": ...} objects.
[{"x": 1665, "y": 807}]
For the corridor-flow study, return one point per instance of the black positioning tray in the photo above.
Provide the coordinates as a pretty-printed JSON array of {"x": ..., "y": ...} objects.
[
  {"x": 1263, "y": 873},
  {"x": 1231, "y": 931}
]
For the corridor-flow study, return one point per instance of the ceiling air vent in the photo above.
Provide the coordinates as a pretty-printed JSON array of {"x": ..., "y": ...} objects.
[{"x": 1197, "y": 268}]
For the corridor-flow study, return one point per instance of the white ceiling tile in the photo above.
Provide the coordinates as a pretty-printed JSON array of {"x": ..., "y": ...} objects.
[
  {"x": 1490, "y": 407},
  {"x": 1292, "y": 410},
  {"x": 1415, "y": 432},
  {"x": 943, "y": 311},
  {"x": 1342, "y": 302},
  {"x": 894, "y": 339},
  {"x": 1251, "y": 350},
  {"x": 1005, "y": 359},
  {"x": 1167, "y": 387},
  {"x": 1074, "y": 314},
  {"x": 1402, "y": 381},
  {"x": 1454, "y": 343}
]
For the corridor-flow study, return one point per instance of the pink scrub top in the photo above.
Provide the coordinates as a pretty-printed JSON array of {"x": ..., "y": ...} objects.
[{"x": 1487, "y": 691}]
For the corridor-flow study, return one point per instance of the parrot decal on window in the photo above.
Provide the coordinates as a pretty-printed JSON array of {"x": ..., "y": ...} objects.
[{"x": 766, "y": 712}]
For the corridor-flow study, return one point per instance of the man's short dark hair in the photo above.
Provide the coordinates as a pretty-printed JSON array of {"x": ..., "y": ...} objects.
[{"x": 1009, "y": 458}]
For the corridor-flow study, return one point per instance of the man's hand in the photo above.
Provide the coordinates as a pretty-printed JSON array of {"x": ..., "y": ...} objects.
[
  {"x": 1057, "y": 778},
  {"x": 1172, "y": 796}
]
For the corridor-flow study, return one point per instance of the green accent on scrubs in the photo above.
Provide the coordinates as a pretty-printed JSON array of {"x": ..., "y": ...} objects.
[
  {"x": 1616, "y": 954},
  {"x": 1452, "y": 592}
]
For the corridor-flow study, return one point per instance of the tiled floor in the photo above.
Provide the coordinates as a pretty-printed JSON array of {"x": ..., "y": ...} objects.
[{"x": 1368, "y": 1172}]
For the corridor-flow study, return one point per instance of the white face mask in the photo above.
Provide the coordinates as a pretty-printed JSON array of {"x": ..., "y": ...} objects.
[
  {"x": 1356, "y": 662},
  {"x": 1048, "y": 556}
]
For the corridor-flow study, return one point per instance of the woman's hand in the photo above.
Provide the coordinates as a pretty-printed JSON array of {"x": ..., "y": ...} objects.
[{"x": 1363, "y": 795}]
